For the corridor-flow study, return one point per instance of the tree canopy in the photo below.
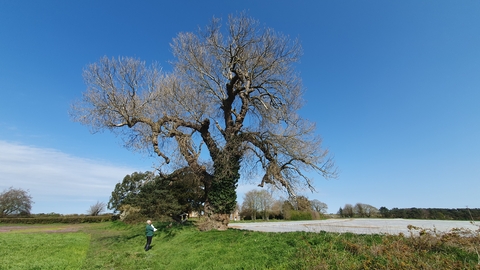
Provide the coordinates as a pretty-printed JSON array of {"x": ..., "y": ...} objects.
[
  {"x": 232, "y": 92},
  {"x": 158, "y": 195},
  {"x": 257, "y": 201},
  {"x": 319, "y": 206},
  {"x": 15, "y": 201}
]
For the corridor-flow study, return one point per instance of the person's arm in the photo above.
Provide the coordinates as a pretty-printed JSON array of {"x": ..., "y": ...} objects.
[{"x": 154, "y": 229}]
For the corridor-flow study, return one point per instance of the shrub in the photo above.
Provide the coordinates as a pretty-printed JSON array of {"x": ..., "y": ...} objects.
[{"x": 300, "y": 215}]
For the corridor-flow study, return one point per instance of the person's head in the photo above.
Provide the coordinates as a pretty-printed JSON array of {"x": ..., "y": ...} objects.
[{"x": 149, "y": 222}]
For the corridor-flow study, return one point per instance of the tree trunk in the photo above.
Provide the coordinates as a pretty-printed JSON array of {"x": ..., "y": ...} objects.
[{"x": 212, "y": 220}]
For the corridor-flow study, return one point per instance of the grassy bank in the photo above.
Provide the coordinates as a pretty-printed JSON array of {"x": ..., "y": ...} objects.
[{"x": 114, "y": 245}]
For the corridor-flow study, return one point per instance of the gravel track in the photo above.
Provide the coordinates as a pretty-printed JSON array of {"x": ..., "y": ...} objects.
[{"x": 358, "y": 226}]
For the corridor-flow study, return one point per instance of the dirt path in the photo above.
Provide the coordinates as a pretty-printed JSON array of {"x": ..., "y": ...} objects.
[{"x": 49, "y": 228}]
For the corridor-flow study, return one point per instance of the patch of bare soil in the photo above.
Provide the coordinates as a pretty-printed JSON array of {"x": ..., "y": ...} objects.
[{"x": 41, "y": 228}]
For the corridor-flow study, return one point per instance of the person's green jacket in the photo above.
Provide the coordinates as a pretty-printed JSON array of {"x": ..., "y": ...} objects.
[{"x": 149, "y": 230}]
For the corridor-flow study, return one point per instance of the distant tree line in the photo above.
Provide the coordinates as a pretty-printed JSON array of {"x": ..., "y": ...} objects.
[
  {"x": 260, "y": 204},
  {"x": 361, "y": 210},
  {"x": 431, "y": 213}
]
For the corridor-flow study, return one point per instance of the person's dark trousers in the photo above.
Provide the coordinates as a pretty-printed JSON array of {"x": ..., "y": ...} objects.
[{"x": 149, "y": 241}]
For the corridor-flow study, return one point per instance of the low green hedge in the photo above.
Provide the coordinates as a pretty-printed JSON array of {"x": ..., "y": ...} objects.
[
  {"x": 60, "y": 219},
  {"x": 300, "y": 215}
]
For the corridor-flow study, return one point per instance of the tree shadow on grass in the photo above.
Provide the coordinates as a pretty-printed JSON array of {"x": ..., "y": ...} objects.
[{"x": 168, "y": 230}]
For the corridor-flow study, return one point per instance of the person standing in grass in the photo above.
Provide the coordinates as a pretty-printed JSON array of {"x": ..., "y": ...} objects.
[{"x": 149, "y": 229}]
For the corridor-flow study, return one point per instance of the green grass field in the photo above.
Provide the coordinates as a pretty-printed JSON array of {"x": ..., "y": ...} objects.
[
  {"x": 43, "y": 250},
  {"x": 114, "y": 245}
]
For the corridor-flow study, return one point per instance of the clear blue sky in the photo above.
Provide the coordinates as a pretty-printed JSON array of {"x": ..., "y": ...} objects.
[{"x": 394, "y": 87}]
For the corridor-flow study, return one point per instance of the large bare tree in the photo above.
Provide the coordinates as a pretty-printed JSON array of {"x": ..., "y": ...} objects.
[
  {"x": 232, "y": 93},
  {"x": 15, "y": 201}
]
